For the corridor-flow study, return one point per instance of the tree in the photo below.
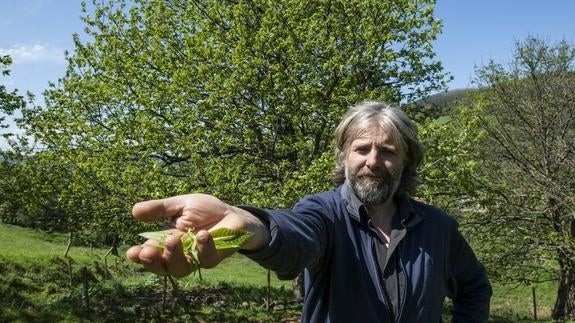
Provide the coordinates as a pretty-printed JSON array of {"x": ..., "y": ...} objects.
[
  {"x": 528, "y": 112},
  {"x": 9, "y": 100},
  {"x": 233, "y": 98}
]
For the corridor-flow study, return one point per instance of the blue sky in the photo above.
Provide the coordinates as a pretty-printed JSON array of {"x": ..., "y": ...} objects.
[
  {"x": 37, "y": 32},
  {"x": 475, "y": 31}
]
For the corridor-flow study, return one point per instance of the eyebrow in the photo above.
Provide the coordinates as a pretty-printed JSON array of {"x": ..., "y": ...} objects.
[{"x": 362, "y": 142}]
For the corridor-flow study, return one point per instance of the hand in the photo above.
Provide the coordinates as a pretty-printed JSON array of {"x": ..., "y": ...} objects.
[{"x": 195, "y": 211}]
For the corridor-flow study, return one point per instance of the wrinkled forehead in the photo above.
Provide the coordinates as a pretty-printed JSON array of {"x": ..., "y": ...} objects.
[{"x": 381, "y": 132}]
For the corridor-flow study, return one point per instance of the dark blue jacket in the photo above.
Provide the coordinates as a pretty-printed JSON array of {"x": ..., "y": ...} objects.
[{"x": 327, "y": 235}]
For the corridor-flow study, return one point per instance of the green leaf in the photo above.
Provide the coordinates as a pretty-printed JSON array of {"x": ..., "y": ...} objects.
[
  {"x": 159, "y": 236},
  {"x": 188, "y": 241},
  {"x": 225, "y": 238}
]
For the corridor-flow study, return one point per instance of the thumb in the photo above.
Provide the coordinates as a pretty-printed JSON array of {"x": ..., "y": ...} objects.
[{"x": 207, "y": 253}]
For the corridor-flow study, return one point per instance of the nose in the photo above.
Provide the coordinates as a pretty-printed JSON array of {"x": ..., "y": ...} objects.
[{"x": 373, "y": 159}]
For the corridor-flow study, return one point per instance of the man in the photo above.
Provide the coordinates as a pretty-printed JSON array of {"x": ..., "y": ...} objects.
[{"x": 370, "y": 253}]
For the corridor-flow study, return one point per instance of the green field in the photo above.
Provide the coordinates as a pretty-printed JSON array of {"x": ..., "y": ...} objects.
[{"x": 39, "y": 284}]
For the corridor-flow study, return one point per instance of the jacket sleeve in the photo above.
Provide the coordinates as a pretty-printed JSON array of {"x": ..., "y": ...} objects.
[
  {"x": 469, "y": 286},
  {"x": 298, "y": 238}
]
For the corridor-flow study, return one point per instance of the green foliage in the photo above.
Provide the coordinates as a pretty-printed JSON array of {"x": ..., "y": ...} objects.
[
  {"x": 315, "y": 178},
  {"x": 225, "y": 238},
  {"x": 529, "y": 119},
  {"x": 9, "y": 101},
  {"x": 529, "y": 167},
  {"x": 236, "y": 99},
  {"x": 452, "y": 159},
  {"x": 32, "y": 202},
  {"x": 40, "y": 190},
  {"x": 501, "y": 160}
]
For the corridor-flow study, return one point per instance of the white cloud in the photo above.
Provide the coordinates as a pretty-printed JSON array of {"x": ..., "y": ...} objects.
[{"x": 33, "y": 53}]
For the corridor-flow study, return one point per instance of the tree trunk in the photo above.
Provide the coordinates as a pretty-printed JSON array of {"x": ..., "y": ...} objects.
[{"x": 565, "y": 305}]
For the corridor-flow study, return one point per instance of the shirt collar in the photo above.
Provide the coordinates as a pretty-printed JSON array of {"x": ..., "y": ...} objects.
[
  {"x": 358, "y": 211},
  {"x": 353, "y": 204}
]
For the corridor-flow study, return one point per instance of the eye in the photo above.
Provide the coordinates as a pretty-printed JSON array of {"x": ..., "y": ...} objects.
[
  {"x": 387, "y": 151},
  {"x": 362, "y": 150}
]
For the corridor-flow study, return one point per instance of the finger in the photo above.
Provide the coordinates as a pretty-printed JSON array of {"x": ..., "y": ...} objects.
[
  {"x": 177, "y": 264},
  {"x": 154, "y": 210},
  {"x": 207, "y": 253},
  {"x": 134, "y": 253},
  {"x": 183, "y": 223},
  {"x": 151, "y": 258}
]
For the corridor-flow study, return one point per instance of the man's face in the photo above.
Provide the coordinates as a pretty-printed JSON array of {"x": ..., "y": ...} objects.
[{"x": 373, "y": 166}]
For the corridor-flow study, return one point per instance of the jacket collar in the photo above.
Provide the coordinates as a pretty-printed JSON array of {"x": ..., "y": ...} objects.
[{"x": 358, "y": 211}]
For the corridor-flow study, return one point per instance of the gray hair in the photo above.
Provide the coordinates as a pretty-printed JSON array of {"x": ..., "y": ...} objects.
[{"x": 401, "y": 129}]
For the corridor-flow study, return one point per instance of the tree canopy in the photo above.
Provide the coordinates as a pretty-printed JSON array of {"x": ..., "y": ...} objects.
[
  {"x": 527, "y": 176},
  {"x": 233, "y": 98},
  {"x": 10, "y": 101}
]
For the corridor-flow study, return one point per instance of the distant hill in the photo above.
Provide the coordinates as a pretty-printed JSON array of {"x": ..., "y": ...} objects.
[
  {"x": 437, "y": 104},
  {"x": 446, "y": 98}
]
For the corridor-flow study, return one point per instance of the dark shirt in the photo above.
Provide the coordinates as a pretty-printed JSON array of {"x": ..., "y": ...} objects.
[
  {"x": 390, "y": 267},
  {"x": 389, "y": 264}
]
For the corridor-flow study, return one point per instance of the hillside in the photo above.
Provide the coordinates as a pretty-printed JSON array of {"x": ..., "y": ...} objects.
[{"x": 437, "y": 104}]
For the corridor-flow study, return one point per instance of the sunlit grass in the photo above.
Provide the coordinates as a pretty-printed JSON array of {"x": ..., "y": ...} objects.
[
  {"x": 515, "y": 302},
  {"x": 23, "y": 244}
]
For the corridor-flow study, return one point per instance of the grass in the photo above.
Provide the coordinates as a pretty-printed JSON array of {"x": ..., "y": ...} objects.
[
  {"x": 514, "y": 303},
  {"x": 39, "y": 284},
  {"x": 36, "y": 285},
  {"x": 21, "y": 243}
]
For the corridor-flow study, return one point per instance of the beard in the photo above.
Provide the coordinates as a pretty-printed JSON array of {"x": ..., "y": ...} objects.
[{"x": 374, "y": 188}]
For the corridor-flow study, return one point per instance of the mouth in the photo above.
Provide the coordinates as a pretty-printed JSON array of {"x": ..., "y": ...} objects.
[
  {"x": 370, "y": 175},
  {"x": 372, "y": 179}
]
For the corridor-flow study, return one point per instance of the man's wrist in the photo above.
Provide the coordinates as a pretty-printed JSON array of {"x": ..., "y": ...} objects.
[{"x": 256, "y": 224}]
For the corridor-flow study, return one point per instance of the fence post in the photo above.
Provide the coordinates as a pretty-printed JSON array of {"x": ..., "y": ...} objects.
[
  {"x": 70, "y": 273},
  {"x": 534, "y": 302},
  {"x": 114, "y": 251},
  {"x": 269, "y": 291}
]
